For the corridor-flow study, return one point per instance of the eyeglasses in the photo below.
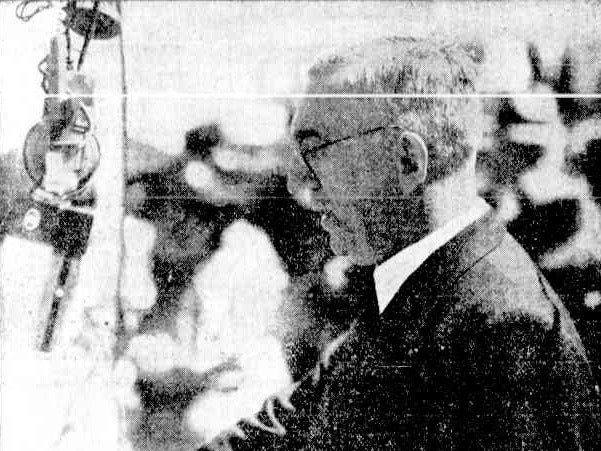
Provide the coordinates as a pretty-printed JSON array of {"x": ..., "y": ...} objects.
[{"x": 308, "y": 151}]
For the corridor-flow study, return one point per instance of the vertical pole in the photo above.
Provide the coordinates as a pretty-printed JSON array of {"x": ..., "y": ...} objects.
[{"x": 96, "y": 297}]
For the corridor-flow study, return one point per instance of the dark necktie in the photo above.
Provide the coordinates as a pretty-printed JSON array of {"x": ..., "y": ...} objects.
[{"x": 362, "y": 293}]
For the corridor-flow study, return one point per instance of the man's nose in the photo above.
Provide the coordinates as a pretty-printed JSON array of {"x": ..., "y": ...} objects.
[{"x": 301, "y": 181}]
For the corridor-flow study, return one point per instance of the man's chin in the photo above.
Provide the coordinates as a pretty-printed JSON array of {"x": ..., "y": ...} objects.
[{"x": 342, "y": 247}]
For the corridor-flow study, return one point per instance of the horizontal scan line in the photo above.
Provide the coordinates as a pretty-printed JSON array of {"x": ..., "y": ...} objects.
[
  {"x": 243, "y": 96},
  {"x": 257, "y": 196}
]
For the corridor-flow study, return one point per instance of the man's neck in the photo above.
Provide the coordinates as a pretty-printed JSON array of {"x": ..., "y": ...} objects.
[
  {"x": 448, "y": 198},
  {"x": 440, "y": 203}
]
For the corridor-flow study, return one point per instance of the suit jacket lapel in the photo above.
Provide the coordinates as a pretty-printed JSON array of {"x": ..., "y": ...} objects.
[{"x": 426, "y": 287}]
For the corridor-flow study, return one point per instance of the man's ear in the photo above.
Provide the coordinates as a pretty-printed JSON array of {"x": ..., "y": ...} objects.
[{"x": 413, "y": 160}]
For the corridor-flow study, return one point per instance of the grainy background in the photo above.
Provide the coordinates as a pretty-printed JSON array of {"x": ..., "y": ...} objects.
[{"x": 206, "y": 151}]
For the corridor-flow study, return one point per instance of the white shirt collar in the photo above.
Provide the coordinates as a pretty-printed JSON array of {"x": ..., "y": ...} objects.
[{"x": 390, "y": 275}]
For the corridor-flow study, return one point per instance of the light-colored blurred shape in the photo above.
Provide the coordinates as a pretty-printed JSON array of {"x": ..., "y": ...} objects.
[
  {"x": 65, "y": 397},
  {"x": 304, "y": 196},
  {"x": 22, "y": 47},
  {"x": 284, "y": 74},
  {"x": 241, "y": 393},
  {"x": 506, "y": 66},
  {"x": 508, "y": 205},
  {"x": 204, "y": 180},
  {"x": 584, "y": 247},
  {"x": 334, "y": 272},
  {"x": 585, "y": 67},
  {"x": 59, "y": 178},
  {"x": 540, "y": 107},
  {"x": 96, "y": 290},
  {"x": 548, "y": 180},
  {"x": 138, "y": 290},
  {"x": 547, "y": 183},
  {"x": 592, "y": 299},
  {"x": 145, "y": 158},
  {"x": 581, "y": 134},
  {"x": 95, "y": 405},
  {"x": 34, "y": 403},
  {"x": 156, "y": 353},
  {"x": 64, "y": 394},
  {"x": 187, "y": 319},
  {"x": 31, "y": 381},
  {"x": 264, "y": 160},
  {"x": 488, "y": 123},
  {"x": 241, "y": 286},
  {"x": 551, "y": 53},
  {"x": 124, "y": 376},
  {"x": 201, "y": 177},
  {"x": 253, "y": 122},
  {"x": 105, "y": 388},
  {"x": 28, "y": 270},
  {"x": 251, "y": 167},
  {"x": 241, "y": 289}
]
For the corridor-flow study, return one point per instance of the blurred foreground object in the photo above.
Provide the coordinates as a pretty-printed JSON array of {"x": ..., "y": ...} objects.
[
  {"x": 58, "y": 323},
  {"x": 60, "y": 155},
  {"x": 230, "y": 344}
]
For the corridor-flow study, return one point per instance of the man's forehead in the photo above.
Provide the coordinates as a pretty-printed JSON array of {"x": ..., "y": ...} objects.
[{"x": 332, "y": 116}]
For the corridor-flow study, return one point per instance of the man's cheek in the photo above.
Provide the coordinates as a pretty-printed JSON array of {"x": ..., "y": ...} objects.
[{"x": 138, "y": 290}]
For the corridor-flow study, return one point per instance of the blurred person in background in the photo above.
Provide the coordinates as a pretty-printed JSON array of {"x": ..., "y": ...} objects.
[
  {"x": 234, "y": 259},
  {"x": 462, "y": 344},
  {"x": 191, "y": 255}
]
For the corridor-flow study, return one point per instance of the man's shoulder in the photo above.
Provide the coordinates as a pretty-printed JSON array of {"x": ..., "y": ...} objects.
[
  {"x": 505, "y": 281},
  {"x": 506, "y": 289}
]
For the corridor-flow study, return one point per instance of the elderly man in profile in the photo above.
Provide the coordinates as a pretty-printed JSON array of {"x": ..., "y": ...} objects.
[{"x": 462, "y": 344}]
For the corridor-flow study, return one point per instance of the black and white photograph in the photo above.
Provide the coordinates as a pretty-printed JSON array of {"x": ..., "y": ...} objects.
[{"x": 270, "y": 225}]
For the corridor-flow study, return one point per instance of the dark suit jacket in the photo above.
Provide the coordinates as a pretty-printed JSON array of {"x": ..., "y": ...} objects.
[{"x": 475, "y": 352}]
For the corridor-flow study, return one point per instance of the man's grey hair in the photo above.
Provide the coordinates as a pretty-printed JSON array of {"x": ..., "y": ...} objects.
[{"x": 451, "y": 126}]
